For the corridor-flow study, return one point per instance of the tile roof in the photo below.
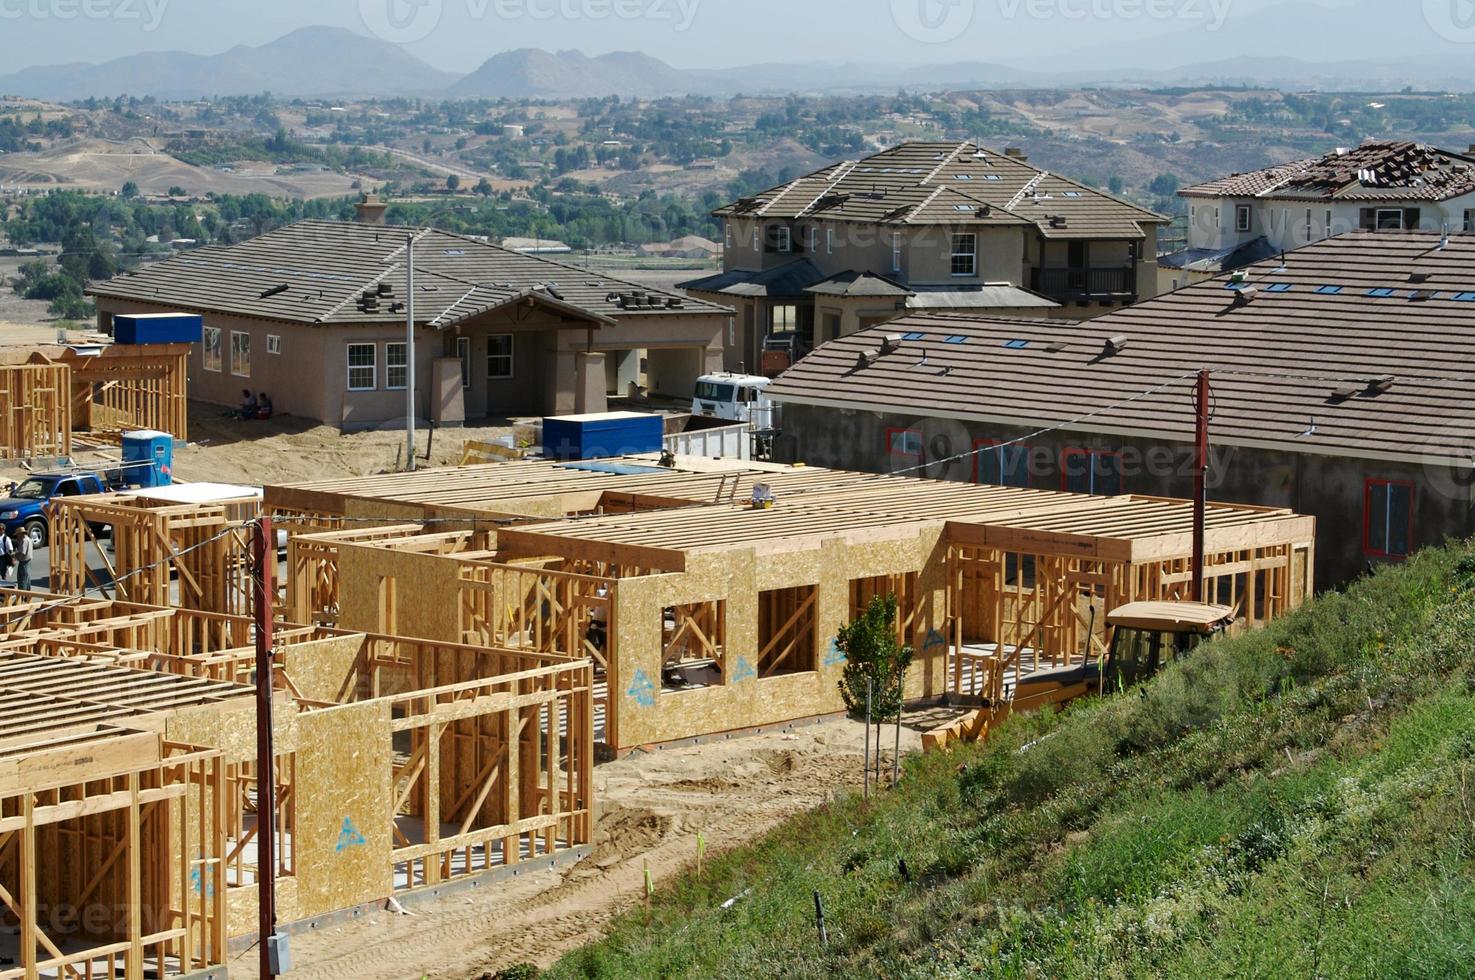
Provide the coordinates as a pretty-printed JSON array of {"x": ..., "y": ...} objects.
[
  {"x": 1387, "y": 170},
  {"x": 859, "y": 284},
  {"x": 317, "y": 272},
  {"x": 786, "y": 281},
  {"x": 992, "y": 296},
  {"x": 949, "y": 184},
  {"x": 1302, "y": 360},
  {"x": 1213, "y": 260}
]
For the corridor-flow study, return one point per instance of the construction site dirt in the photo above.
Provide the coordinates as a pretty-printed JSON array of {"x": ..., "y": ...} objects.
[{"x": 651, "y": 809}]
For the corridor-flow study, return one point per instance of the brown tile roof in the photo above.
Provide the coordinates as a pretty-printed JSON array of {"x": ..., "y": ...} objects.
[
  {"x": 1375, "y": 171},
  {"x": 949, "y": 184},
  {"x": 1297, "y": 361},
  {"x": 326, "y": 267}
]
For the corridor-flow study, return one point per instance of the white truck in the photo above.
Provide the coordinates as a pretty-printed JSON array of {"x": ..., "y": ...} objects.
[{"x": 735, "y": 397}]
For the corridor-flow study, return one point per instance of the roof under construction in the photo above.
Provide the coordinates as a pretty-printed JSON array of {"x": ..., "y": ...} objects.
[
  {"x": 1388, "y": 170},
  {"x": 952, "y": 184}
]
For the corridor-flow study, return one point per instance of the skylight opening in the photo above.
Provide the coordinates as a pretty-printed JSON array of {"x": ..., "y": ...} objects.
[
  {"x": 992, "y": 177},
  {"x": 956, "y": 339},
  {"x": 1016, "y": 344},
  {"x": 1279, "y": 287},
  {"x": 962, "y": 176},
  {"x": 1380, "y": 293},
  {"x": 913, "y": 335},
  {"x": 1328, "y": 290},
  {"x": 1072, "y": 193},
  {"x": 1464, "y": 297}
]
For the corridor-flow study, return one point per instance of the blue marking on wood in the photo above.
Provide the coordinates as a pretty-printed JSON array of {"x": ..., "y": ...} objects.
[
  {"x": 834, "y": 655},
  {"x": 743, "y": 671},
  {"x": 934, "y": 639},
  {"x": 641, "y": 690},
  {"x": 349, "y": 836}
]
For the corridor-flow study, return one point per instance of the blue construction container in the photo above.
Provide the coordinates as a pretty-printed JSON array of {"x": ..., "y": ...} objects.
[
  {"x": 603, "y": 435},
  {"x": 148, "y": 458},
  {"x": 158, "y": 328}
]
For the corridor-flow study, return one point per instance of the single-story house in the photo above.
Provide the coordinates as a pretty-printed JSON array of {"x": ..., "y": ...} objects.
[
  {"x": 315, "y": 314},
  {"x": 1341, "y": 379}
]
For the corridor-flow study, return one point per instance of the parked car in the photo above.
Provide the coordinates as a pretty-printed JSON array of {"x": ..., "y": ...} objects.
[{"x": 25, "y": 507}]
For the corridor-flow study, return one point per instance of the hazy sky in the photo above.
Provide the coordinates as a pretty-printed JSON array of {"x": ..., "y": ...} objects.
[{"x": 458, "y": 35}]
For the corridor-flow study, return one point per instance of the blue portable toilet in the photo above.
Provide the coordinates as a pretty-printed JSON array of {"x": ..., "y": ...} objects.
[
  {"x": 158, "y": 328},
  {"x": 148, "y": 458}
]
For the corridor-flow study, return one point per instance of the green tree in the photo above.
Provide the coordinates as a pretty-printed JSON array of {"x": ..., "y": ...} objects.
[
  {"x": 129, "y": 191},
  {"x": 874, "y": 658},
  {"x": 177, "y": 191},
  {"x": 453, "y": 183},
  {"x": 484, "y": 187},
  {"x": 1115, "y": 184},
  {"x": 1165, "y": 185}
]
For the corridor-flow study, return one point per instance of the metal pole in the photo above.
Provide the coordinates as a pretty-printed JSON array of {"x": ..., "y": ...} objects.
[
  {"x": 1200, "y": 483},
  {"x": 265, "y": 549},
  {"x": 410, "y": 351},
  {"x": 867, "y": 761},
  {"x": 896, "y": 751}
]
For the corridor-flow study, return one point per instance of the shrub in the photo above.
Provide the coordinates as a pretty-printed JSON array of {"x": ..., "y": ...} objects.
[{"x": 874, "y": 661}]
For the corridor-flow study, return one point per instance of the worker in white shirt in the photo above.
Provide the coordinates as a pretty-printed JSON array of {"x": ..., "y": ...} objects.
[{"x": 7, "y": 555}]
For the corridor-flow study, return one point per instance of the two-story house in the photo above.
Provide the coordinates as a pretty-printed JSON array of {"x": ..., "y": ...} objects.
[
  {"x": 1382, "y": 185},
  {"x": 924, "y": 226}
]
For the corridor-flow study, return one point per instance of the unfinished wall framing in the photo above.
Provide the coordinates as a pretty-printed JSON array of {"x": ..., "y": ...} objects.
[
  {"x": 123, "y": 387},
  {"x": 35, "y": 411}
]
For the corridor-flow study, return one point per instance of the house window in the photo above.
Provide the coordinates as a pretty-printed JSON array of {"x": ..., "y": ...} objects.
[
  {"x": 1091, "y": 471},
  {"x": 757, "y": 243},
  {"x": 499, "y": 357},
  {"x": 965, "y": 254},
  {"x": 463, "y": 353},
  {"x": 273, "y": 343},
  {"x": 1308, "y": 225},
  {"x": 1388, "y": 518},
  {"x": 1002, "y": 466},
  {"x": 784, "y": 318},
  {"x": 813, "y": 239},
  {"x": 1328, "y": 223},
  {"x": 896, "y": 251},
  {"x": 727, "y": 232},
  {"x": 1242, "y": 217},
  {"x": 210, "y": 349},
  {"x": 1470, "y": 219},
  {"x": 1216, "y": 218},
  {"x": 783, "y": 239},
  {"x": 396, "y": 356},
  {"x": 830, "y": 241},
  {"x": 361, "y": 367},
  {"x": 694, "y": 646},
  {"x": 240, "y": 354},
  {"x": 787, "y": 631},
  {"x": 1389, "y": 219},
  {"x": 904, "y": 442}
]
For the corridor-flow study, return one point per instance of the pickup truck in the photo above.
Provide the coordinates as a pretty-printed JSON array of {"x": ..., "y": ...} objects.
[{"x": 25, "y": 507}]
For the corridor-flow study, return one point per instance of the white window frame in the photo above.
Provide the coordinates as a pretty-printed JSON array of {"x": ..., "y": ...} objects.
[
  {"x": 813, "y": 239},
  {"x": 1309, "y": 233},
  {"x": 463, "y": 353},
  {"x": 1328, "y": 223},
  {"x": 783, "y": 239},
  {"x": 970, "y": 253},
  {"x": 510, "y": 357},
  {"x": 727, "y": 232},
  {"x": 896, "y": 251},
  {"x": 1378, "y": 219},
  {"x": 372, "y": 367},
  {"x": 390, "y": 367},
  {"x": 235, "y": 349},
  {"x": 273, "y": 343},
  {"x": 1243, "y": 218},
  {"x": 829, "y": 241},
  {"x": 1470, "y": 219},
  {"x": 210, "y": 342}
]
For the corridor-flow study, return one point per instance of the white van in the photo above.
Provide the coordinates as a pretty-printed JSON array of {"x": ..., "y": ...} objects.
[{"x": 736, "y": 397}]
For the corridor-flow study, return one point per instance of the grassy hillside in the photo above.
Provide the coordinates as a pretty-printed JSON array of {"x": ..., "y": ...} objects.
[{"x": 1298, "y": 801}]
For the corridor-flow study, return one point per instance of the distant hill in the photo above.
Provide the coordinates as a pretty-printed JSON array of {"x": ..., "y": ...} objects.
[
  {"x": 314, "y": 61},
  {"x": 531, "y": 73}
]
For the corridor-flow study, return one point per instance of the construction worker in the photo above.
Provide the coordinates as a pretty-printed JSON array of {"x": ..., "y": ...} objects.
[
  {"x": 7, "y": 555},
  {"x": 24, "y": 549}
]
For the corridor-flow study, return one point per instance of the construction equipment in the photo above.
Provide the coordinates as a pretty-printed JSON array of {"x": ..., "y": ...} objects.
[{"x": 1144, "y": 637}]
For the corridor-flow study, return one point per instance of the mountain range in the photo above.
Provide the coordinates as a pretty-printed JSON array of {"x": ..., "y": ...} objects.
[{"x": 328, "y": 61}]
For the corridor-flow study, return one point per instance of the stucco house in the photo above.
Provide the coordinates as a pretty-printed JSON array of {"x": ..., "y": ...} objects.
[
  {"x": 925, "y": 226},
  {"x": 314, "y": 314}
]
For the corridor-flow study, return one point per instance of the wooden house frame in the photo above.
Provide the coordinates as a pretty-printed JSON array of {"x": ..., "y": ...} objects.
[
  {"x": 720, "y": 617},
  {"x": 124, "y": 387},
  {"x": 497, "y": 771},
  {"x": 35, "y": 411}
]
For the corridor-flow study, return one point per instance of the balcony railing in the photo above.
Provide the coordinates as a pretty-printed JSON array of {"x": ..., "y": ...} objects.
[{"x": 1081, "y": 282}]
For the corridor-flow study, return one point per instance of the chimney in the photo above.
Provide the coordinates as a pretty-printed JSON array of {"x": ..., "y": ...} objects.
[
  {"x": 370, "y": 210},
  {"x": 1016, "y": 153}
]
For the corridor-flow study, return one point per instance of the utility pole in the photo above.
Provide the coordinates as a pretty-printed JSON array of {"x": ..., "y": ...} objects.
[
  {"x": 1200, "y": 483},
  {"x": 265, "y": 548},
  {"x": 410, "y": 351}
]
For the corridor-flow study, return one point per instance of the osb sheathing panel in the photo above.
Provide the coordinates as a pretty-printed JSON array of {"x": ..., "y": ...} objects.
[
  {"x": 425, "y": 593},
  {"x": 645, "y": 714},
  {"x": 232, "y": 728},
  {"x": 323, "y": 670},
  {"x": 343, "y": 841}
]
